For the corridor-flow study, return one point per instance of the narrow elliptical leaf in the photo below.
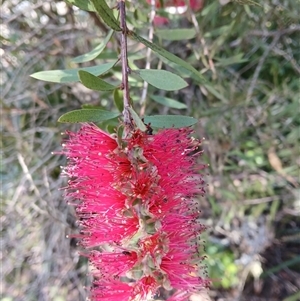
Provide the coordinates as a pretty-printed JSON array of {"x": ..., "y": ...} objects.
[
  {"x": 170, "y": 121},
  {"x": 93, "y": 82},
  {"x": 95, "y": 52},
  {"x": 168, "y": 102},
  {"x": 168, "y": 55},
  {"x": 177, "y": 34},
  {"x": 106, "y": 14},
  {"x": 162, "y": 79},
  {"x": 70, "y": 75},
  {"x": 87, "y": 115}
]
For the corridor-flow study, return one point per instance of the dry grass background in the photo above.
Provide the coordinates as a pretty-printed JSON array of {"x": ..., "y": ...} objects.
[{"x": 251, "y": 128}]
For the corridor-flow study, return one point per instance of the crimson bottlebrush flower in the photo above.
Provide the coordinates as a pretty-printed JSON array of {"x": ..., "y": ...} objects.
[{"x": 136, "y": 202}]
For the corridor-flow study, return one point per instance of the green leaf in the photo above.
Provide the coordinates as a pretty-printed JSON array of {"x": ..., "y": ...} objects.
[
  {"x": 184, "y": 73},
  {"x": 170, "y": 121},
  {"x": 176, "y": 34},
  {"x": 118, "y": 99},
  {"x": 106, "y": 13},
  {"x": 139, "y": 123},
  {"x": 236, "y": 59},
  {"x": 87, "y": 115},
  {"x": 168, "y": 55},
  {"x": 213, "y": 91},
  {"x": 95, "y": 52},
  {"x": 162, "y": 79},
  {"x": 82, "y": 4},
  {"x": 168, "y": 102},
  {"x": 93, "y": 82},
  {"x": 70, "y": 75}
]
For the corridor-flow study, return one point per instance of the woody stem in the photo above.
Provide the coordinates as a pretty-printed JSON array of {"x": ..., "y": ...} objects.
[{"x": 124, "y": 62}]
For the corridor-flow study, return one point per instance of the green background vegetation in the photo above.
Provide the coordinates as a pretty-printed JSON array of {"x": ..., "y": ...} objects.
[{"x": 250, "y": 120}]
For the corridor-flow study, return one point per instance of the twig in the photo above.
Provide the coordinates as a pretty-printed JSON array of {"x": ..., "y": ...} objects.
[
  {"x": 259, "y": 67},
  {"x": 33, "y": 186},
  {"x": 208, "y": 64},
  {"x": 274, "y": 33},
  {"x": 125, "y": 67},
  {"x": 288, "y": 58},
  {"x": 260, "y": 201},
  {"x": 148, "y": 59}
]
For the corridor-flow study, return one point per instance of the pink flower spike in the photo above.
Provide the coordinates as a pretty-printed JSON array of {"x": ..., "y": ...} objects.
[{"x": 136, "y": 201}]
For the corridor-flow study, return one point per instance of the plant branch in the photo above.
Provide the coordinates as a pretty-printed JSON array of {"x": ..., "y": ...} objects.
[
  {"x": 125, "y": 67},
  {"x": 148, "y": 59}
]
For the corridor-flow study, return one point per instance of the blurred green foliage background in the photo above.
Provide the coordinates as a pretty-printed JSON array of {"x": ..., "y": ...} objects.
[{"x": 250, "y": 121}]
